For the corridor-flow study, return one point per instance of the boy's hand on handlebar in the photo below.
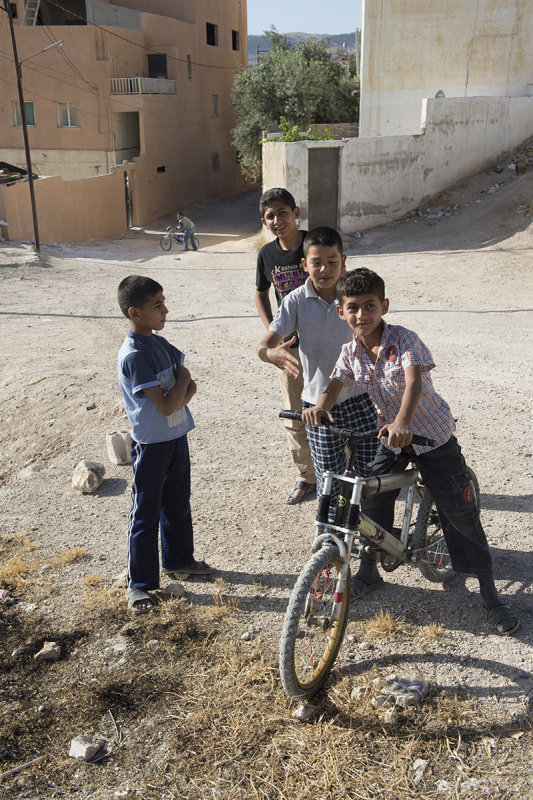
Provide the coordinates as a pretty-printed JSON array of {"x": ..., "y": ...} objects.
[
  {"x": 399, "y": 435},
  {"x": 315, "y": 415},
  {"x": 283, "y": 359}
]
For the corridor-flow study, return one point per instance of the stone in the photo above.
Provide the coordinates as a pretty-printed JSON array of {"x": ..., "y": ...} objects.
[
  {"x": 419, "y": 767},
  {"x": 83, "y": 747},
  {"x": 304, "y": 712},
  {"x": 246, "y": 637},
  {"x": 175, "y": 589},
  {"x": 119, "y": 581},
  {"x": 119, "y": 447},
  {"x": 50, "y": 651},
  {"x": 358, "y": 692},
  {"x": 391, "y": 718},
  {"x": 88, "y": 476}
]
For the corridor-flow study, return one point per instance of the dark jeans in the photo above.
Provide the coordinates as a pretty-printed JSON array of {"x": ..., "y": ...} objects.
[
  {"x": 443, "y": 471},
  {"x": 161, "y": 508}
]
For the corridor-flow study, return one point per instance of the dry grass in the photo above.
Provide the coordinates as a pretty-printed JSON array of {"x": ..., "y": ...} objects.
[
  {"x": 69, "y": 556},
  {"x": 385, "y": 627},
  {"x": 434, "y": 632},
  {"x": 188, "y": 711}
]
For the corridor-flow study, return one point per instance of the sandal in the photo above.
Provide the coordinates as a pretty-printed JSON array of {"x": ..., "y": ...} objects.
[
  {"x": 293, "y": 498},
  {"x": 359, "y": 588},
  {"x": 182, "y": 573},
  {"x": 503, "y": 619},
  {"x": 135, "y": 596}
]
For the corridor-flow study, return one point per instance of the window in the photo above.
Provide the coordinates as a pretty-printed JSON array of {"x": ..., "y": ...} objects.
[
  {"x": 189, "y": 67},
  {"x": 215, "y": 161},
  {"x": 214, "y": 105},
  {"x": 67, "y": 115},
  {"x": 30, "y": 114},
  {"x": 211, "y": 32},
  {"x": 161, "y": 169},
  {"x": 235, "y": 40}
]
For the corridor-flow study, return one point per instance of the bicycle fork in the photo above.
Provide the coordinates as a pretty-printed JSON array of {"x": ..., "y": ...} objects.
[{"x": 355, "y": 521}]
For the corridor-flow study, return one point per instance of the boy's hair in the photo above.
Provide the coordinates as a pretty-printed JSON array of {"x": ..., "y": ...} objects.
[
  {"x": 360, "y": 281},
  {"x": 277, "y": 195},
  {"x": 322, "y": 236},
  {"x": 135, "y": 290},
  {"x": 181, "y": 214}
]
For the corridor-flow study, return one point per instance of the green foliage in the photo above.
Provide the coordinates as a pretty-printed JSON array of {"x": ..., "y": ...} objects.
[
  {"x": 304, "y": 85},
  {"x": 291, "y": 133}
]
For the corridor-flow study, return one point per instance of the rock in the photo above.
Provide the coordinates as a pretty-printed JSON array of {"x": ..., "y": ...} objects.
[
  {"x": 88, "y": 476},
  {"x": 119, "y": 447},
  {"x": 83, "y": 747},
  {"x": 153, "y": 644},
  {"x": 119, "y": 581},
  {"x": 246, "y": 637},
  {"x": 419, "y": 767},
  {"x": 443, "y": 786},
  {"x": 391, "y": 718},
  {"x": 358, "y": 692},
  {"x": 304, "y": 712},
  {"x": 50, "y": 651},
  {"x": 380, "y": 701},
  {"x": 175, "y": 589}
]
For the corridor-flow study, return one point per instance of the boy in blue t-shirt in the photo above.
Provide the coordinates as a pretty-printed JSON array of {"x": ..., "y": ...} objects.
[{"x": 156, "y": 387}]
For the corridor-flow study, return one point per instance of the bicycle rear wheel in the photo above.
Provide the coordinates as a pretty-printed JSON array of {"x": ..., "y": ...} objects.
[
  {"x": 165, "y": 242},
  {"x": 436, "y": 565},
  {"x": 310, "y": 639},
  {"x": 195, "y": 242}
]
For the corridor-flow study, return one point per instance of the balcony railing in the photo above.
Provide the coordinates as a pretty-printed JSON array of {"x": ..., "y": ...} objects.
[{"x": 139, "y": 85}]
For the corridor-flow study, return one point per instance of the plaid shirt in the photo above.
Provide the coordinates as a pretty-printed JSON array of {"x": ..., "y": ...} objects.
[{"x": 385, "y": 381}]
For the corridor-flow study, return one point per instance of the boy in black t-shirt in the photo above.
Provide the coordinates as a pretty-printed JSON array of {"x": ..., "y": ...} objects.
[{"x": 280, "y": 263}]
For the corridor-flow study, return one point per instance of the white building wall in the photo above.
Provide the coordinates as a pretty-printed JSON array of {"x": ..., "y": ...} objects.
[{"x": 412, "y": 49}]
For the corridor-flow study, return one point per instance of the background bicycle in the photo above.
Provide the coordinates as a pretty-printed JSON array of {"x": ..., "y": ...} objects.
[{"x": 174, "y": 233}]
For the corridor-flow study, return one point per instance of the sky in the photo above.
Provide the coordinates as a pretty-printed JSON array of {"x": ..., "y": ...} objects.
[{"x": 311, "y": 16}]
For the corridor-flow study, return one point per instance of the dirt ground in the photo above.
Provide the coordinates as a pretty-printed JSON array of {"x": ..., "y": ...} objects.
[{"x": 462, "y": 280}]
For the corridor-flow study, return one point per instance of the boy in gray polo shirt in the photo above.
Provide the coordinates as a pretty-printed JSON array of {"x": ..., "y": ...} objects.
[{"x": 311, "y": 311}]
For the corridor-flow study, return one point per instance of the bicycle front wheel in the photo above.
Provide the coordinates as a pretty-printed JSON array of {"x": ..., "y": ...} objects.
[
  {"x": 436, "y": 564},
  {"x": 310, "y": 639},
  {"x": 165, "y": 242}
]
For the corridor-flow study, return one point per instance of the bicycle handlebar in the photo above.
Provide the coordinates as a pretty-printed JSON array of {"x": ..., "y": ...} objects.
[{"x": 349, "y": 433}]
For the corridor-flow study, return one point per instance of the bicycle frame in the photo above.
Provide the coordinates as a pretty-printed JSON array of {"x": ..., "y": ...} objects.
[{"x": 357, "y": 522}]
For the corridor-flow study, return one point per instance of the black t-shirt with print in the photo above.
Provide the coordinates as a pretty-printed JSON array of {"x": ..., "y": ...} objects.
[{"x": 281, "y": 268}]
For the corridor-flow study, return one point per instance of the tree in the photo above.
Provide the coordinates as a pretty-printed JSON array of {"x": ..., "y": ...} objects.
[{"x": 305, "y": 84}]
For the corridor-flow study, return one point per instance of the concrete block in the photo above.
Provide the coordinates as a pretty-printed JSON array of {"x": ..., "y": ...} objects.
[{"x": 119, "y": 447}]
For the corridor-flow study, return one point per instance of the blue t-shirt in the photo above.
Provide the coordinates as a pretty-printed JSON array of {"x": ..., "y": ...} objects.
[{"x": 145, "y": 361}]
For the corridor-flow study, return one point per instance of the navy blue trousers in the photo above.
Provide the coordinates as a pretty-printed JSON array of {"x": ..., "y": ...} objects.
[
  {"x": 443, "y": 471},
  {"x": 160, "y": 494}
]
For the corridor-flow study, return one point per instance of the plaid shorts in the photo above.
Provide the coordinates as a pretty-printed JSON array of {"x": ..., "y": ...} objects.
[{"x": 328, "y": 450}]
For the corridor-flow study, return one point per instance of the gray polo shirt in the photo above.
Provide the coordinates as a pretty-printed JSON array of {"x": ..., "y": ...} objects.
[{"x": 322, "y": 334}]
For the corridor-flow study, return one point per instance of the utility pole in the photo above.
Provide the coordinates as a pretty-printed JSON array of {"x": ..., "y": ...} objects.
[{"x": 18, "y": 71}]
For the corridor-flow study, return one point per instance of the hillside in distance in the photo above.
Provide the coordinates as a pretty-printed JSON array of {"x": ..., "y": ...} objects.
[{"x": 338, "y": 41}]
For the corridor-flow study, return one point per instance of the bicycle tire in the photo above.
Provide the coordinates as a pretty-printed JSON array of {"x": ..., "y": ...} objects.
[
  {"x": 195, "y": 242},
  {"x": 165, "y": 242},
  {"x": 309, "y": 644},
  {"x": 436, "y": 566}
]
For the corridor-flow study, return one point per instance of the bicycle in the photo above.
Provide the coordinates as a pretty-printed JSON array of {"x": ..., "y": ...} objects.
[
  {"x": 165, "y": 242},
  {"x": 317, "y": 614}
]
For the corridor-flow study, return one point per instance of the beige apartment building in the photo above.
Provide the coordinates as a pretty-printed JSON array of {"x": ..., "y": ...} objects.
[{"x": 139, "y": 90}]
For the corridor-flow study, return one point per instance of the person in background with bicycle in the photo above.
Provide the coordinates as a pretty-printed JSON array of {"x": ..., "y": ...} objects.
[
  {"x": 156, "y": 387},
  {"x": 188, "y": 227},
  {"x": 393, "y": 364},
  {"x": 310, "y": 310},
  {"x": 279, "y": 264}
]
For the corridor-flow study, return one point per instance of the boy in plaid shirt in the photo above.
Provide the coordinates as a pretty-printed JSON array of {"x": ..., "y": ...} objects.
[{"x": 393, "y": 364}]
